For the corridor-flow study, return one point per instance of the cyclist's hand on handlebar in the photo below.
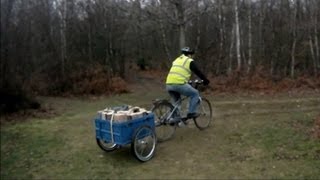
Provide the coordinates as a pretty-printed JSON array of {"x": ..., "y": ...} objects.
[{"x": 206, "y": 82}]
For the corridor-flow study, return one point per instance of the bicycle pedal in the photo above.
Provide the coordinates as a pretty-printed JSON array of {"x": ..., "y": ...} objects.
[{"x": 181, "y": 124}]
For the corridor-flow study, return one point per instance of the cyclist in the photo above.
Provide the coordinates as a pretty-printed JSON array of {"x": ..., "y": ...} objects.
[{"x": 177, "y": 82}]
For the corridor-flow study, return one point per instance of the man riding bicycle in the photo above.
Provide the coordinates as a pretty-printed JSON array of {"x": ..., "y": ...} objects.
[{"x": 177, "y": 82}]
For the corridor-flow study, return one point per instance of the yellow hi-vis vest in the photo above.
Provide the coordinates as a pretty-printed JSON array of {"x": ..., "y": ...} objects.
[{"x": 180, "y": 72}]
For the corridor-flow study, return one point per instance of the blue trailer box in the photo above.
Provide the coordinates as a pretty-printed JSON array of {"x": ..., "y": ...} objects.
[{"x": 122, "y": 132}]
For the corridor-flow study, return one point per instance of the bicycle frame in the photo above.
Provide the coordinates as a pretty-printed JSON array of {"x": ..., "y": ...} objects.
[{"x": 176, "y": 106}]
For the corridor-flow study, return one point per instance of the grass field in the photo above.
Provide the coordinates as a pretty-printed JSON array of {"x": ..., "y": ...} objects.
[{"x": 251, "y": 137}]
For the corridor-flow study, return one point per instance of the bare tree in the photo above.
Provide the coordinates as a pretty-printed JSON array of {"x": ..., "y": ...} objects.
[
  {"x": 294, "y": 34},
  {"x": 313, "y": 37},
  {"x": 181, "y": 22},
  {"x": 249, "y": 36},
  {"x": 221, "y": 33},
  {"x": 316, "y": 33},
  {"x": 6, "y": 11},
  {"x": 63, "y": 7},
  {"x": 232, "y": 35},
  {"x": 237, "y": 26}
]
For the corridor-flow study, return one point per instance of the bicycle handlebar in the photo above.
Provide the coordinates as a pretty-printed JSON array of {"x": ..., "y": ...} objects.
[{"x": 195, "y": 83}]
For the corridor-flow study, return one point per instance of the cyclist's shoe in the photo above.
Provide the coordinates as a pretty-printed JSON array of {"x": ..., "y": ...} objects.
[
  {"x": 193, "y": 115},
  {"x": 175, "y": 120}
]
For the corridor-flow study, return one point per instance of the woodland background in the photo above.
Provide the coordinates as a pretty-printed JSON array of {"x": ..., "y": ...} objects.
[{"x": 58, "y": 47}]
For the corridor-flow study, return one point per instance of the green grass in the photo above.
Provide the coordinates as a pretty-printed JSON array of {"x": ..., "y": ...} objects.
[{"x": 251, "y": 137}]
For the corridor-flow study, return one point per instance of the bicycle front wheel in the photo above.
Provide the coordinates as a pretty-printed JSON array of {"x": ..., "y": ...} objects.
[
  {"x": 205, "y": 118},
  {"x": 164, "y": 131}
]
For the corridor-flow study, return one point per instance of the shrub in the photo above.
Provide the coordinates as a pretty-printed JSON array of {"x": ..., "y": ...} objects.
[{"x": 13, "y": 101}]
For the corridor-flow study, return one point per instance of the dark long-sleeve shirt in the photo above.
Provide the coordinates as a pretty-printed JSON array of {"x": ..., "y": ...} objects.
[{"x": 194, "y": 68}]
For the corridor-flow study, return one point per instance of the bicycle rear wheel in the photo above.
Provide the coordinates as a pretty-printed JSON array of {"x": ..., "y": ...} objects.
[
  {"x": 205, "y": 118},
  {"x": 164, "y": 130}
]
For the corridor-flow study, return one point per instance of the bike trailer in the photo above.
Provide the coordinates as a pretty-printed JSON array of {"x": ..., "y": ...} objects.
[{"x": 121, "y": 133}]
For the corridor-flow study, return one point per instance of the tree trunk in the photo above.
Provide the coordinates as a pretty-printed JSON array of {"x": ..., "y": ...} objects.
[
  {"x": 316, "y": 42},
  {"x": 294, "y": 29},
  {"x": 121, "y": 59},
  {"x": 261, "y": 34},
  {"x": 249, "y": 37},
  {"x": 164, "y": 41},
  {"x": 274, "y": 53},
  {"x": 314, "y": 60},
  {"x": 182, "y": 36},
  {"x": 293, "y": 57},
  {"x": 90, "y": 19},
  {"x": 237, "y": 35},
  {"x": 198, "y": 29},
  {"x": 313, "y": 39},
  {"x": 231, "y": 50},
  {"x": 5, "y": 41},
  {"x": 63, "y": 30},
  {"x": 110, "y": 57},
  {"x": 90, "y": 43},
  {"x": 108, "y": 30},
  {"x": 181, "y": 24},
  {"x": 221, "y": 35}
]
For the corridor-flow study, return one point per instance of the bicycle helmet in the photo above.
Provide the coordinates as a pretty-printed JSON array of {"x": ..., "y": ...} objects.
[{"x": 187, "y": 51}]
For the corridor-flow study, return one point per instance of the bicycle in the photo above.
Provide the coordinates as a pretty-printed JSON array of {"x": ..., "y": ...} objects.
[{"x": 164, "y": 110}]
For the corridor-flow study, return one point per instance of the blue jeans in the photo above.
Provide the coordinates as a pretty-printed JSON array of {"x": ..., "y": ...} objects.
[{"x": 187, "y": 90}]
